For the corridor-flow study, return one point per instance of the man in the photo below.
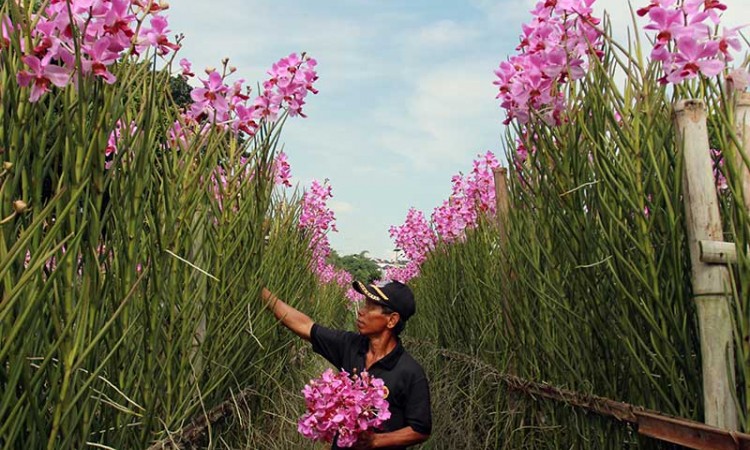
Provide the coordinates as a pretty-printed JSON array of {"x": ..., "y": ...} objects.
[{"x": 377, "y": 349}]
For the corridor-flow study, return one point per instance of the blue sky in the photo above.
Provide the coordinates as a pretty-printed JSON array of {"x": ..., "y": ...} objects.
[{"x": 406, "y": 97}]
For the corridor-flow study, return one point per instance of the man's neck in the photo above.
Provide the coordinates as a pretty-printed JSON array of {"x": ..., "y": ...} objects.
[{"x": 382, "y": 344}]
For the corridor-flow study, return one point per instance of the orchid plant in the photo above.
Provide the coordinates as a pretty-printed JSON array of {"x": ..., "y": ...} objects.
[
  {"x": 132, "y": 231},
  {"x": 472, "y": 196},
  {"x": 588, "y": 286},
  {"x": 317, "y": 220}
]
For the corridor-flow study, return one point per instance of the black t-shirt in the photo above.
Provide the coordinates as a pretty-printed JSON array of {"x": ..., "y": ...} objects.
[{"x": 408, "y": 390}]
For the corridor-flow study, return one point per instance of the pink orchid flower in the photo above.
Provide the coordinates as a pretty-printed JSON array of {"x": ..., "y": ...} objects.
[
  {"x": 41, "y": 76},
  {"x": 99, "y": 59},
  {"x": 157, "y": 37},
  {"x": 693, "y": 58},
  {"x": 187, "y": 68}
]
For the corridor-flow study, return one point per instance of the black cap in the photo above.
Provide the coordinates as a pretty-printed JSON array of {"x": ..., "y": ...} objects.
[{"x": 394, "y": 295}]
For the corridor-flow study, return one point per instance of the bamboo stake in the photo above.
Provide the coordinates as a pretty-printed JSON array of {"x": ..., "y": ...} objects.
[
  {"x": 742, "y": 122},
  {"x": 503, "y": 206},
  {"x": 711, "y": 288},
  {"x": 201, "y": 284},
  {"x": 501, "y": 198}
]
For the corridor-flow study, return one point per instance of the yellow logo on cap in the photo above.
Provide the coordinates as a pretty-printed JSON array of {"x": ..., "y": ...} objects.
[
  {"x": 385, "y": 297},
  {"x": 367, "y": 293}
]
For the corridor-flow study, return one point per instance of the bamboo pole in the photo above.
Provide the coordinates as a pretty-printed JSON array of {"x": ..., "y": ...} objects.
[
  {"x": 742, "y": 122},
  {"x": 501, "y": 198},
  {"x": 200, "y": 281},
  {"x": 711, "y": 289}
]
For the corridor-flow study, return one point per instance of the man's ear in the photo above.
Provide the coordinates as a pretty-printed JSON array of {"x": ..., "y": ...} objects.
[{"x": 393, "y": 320}]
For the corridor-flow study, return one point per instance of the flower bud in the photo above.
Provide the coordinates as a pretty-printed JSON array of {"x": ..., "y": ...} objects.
[
  {"x": 7, "y": 165},
  {"x": 739, "y": 79},
  {"x": 20, "y": 206},
  {"x": 232, "y": 69},
  {"x": 210, "y": 69},
  {"x": 224, "y": 60}
]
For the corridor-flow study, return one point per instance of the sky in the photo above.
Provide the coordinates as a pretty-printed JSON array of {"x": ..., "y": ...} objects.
[{"x": 406, "y": 96}]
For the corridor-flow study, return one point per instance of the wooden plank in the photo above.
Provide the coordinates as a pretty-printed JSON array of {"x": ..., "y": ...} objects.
[
  {"x": 690, "y": 434},
  {"x": 654, "y": 424}
]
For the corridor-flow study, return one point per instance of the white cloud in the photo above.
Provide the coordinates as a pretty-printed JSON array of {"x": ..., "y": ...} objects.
[
  {"x": 445, "y": 33},
  {"x": 254, "y": 34},
  {"x": 448, "y": 114},
  {"x": 339, "y": 207},
  {"x": 508, "y": 12}
]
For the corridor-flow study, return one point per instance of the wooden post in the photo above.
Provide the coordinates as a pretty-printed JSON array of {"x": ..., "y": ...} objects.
[
  {"x": 742, "y": 122},
  {"x": 197, "y": 255},
  {"x": 501, "y": 198},
  {"x": 711, "y": 288}
]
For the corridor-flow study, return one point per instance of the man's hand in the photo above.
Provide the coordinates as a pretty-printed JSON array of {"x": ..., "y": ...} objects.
[
  {"x": 404, "y": 436},
  {"x": 364, "y": 442}
]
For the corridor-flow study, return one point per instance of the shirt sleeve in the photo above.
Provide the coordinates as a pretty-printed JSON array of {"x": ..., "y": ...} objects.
[
  {"x": 418, "y": 413},
  {"x": 330, "y": 344}
]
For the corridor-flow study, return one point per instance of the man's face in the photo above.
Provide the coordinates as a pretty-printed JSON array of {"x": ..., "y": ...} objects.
[{"x": 371, "y": 319}]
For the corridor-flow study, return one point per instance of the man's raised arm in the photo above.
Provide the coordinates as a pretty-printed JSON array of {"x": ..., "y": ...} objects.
[{"x": 293, "y": 319}]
